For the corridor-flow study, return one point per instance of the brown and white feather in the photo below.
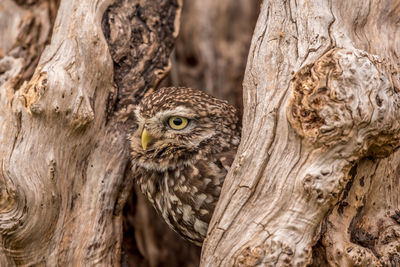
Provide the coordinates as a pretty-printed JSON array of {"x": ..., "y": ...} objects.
[{"x": 182, "y": 172}]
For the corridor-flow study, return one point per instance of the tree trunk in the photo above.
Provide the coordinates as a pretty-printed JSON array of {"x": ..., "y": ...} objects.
[
  {"x": 68, "y": 122},
  {"x": 64, "y": 119},
  {"x": 315, "y": 181}
]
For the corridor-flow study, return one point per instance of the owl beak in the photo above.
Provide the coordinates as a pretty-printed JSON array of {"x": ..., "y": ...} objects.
[{"x": 146, "y": 139}]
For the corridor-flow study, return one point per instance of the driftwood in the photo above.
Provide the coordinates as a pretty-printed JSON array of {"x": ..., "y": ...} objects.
[{"x": 315, "y": 180}]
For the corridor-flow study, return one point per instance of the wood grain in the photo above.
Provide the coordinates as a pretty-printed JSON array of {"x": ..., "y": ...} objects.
[{"x": 321, "y": 93}]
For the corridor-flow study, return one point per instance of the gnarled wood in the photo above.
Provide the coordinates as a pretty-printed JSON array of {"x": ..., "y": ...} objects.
[
  {"x": 88, "y": 109},
  {"x": 321, "y": 92},
  {"x": 65, "y": 175}
]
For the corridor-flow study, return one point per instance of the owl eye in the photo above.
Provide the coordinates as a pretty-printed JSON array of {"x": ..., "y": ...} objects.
[{"x": 178, "y": 123}]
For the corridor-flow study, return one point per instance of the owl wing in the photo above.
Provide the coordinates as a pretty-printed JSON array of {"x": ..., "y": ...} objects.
[
  {"x": 225, "y": 159},
  {"x": 206, "y": 178}
]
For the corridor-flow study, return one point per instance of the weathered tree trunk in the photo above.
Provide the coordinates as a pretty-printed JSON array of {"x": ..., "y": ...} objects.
[
  {"x": 65, "y": 174},
  {"x": 64, "y": 119},
  {"x": 315, "y": 180}
]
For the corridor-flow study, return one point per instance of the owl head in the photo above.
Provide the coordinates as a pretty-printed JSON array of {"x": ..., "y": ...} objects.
[{"x": 177, "y": 125}]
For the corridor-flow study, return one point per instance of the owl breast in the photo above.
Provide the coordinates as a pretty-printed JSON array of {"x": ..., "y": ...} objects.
[{"x": 186, "y": 196}]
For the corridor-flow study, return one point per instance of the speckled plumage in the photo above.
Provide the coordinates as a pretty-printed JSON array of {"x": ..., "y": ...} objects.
[{"x": 182, "y": 171}]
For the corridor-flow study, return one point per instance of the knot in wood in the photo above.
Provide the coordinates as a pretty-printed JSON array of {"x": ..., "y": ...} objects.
[
  {"x": 272, "y": 252},
  {"x": 250, "y": 257},
  {"x": 7, "y": 200},
  {"x": 32, "y": 92},
  {"x": 346, "y": 97}
]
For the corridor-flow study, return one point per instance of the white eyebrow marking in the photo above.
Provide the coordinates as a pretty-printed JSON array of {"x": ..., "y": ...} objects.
[{"x": 178, "y": 111}]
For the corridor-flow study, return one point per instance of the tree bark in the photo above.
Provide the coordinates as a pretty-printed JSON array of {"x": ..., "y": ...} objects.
[
  {"x": 64, "y": 175},
  {"x": 66, "y": 118},
  {"x": 315, "y": 180},
  {"x": 85, "y": 99}
]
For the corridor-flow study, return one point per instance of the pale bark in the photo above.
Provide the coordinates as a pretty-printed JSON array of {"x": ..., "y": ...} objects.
[
  {"x": 61, "y": 202},
  {"x": 65, "y": 156},
  {"x": 321, "y": 93}
]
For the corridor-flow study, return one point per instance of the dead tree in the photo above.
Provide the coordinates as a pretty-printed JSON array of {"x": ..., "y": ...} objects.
[{"x": 315, "y": 180}]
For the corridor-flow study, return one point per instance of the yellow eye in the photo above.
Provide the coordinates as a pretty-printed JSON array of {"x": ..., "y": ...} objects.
[{"x": 177, "y": 123}]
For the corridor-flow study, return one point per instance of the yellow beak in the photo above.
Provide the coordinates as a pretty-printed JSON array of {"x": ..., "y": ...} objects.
[{"x": 146, "y": 139}]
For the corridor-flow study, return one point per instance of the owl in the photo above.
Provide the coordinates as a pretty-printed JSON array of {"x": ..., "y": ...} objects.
[{"x": 184, "y": 145}]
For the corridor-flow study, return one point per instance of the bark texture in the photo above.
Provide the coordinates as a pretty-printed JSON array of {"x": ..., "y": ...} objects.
[
  {"x": 65, "y": 160},
  {"x": 65, "y": 173},
  {"x": 315, "y": 180}
]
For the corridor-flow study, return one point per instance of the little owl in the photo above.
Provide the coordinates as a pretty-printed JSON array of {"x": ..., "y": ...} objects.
[{"x": 181, "y": 152}]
